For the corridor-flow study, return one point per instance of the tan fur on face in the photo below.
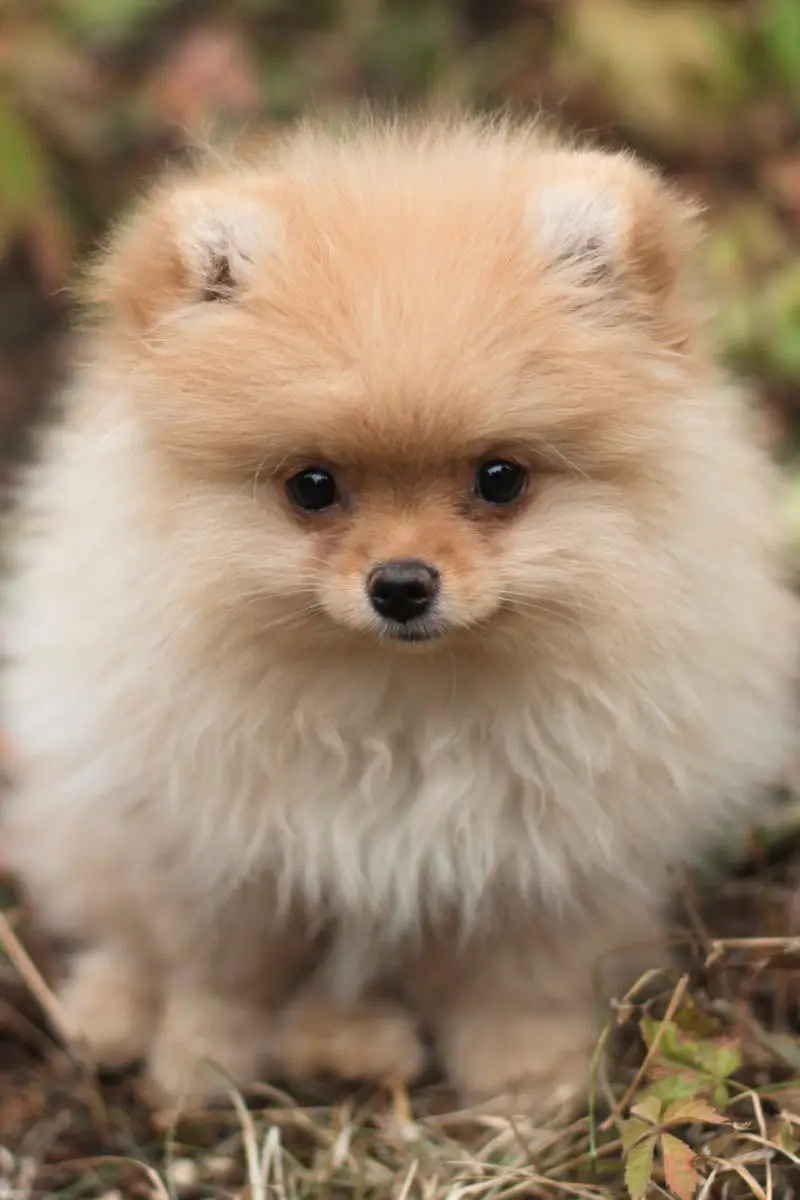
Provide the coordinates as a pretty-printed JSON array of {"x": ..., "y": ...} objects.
[{"x": 232, "y": 778}]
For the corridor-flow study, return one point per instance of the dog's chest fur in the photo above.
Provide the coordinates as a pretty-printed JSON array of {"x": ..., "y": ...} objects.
[{"x": 380, "y": 798}]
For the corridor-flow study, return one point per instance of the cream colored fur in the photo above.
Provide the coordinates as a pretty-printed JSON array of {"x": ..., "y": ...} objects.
[{"x": 280, "y": 841}]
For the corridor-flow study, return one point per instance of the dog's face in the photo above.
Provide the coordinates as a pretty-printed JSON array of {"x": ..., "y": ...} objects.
[{"x": 412, "y": 388}]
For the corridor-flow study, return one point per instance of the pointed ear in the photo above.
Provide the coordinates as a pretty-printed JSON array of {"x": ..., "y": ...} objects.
[
  {"x": 608, "y": 220},
  {"x": 192, "y": 242}
]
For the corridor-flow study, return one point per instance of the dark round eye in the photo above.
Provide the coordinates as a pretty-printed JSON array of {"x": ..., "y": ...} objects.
[
  {"x": 500, "y": 481},
  {"x": 313, "y": 489}
]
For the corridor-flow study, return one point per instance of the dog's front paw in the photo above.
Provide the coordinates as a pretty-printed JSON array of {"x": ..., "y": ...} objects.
[
  {"x": 520, "y": 1064},
  {"x": 374, "y": 1042},
  {"x": 110, "y": 1006},
  {"x": 205, "y": 1045}
]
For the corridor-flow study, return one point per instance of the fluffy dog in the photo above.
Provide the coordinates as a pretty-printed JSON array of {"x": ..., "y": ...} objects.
[{"x": 398, "y": 606}]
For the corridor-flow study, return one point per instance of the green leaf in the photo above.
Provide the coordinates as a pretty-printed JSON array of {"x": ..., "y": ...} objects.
[
  {"x": 781, "y": 34},
  {"x": 676, "y": 1085},
  {"x": 639, "y": 1167},
  {"x": 691, "y": 1019},
  {"x": 648, "y": 1109},
  {"x": 109, "y": 18},
  {"x": 729, "y": 1060},
  {"x": 779, "y": 313},
  {"x": 680, "y": 1174},
  {"x": 22, "y": 170},
  {"x": 717, "y": 1058},
  {"x": 649, "y": 1027},
  {"x": 688, "y": 1111},
  {"x": 673, "y": 1046},
  {"x": 632, "y": 1130},
  {"x": 787, "y": 1138}
]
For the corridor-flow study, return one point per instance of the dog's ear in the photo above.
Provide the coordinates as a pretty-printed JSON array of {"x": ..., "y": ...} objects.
[
  {"x": 194, "y": 241},
  {"x": 611, "y": 222}
]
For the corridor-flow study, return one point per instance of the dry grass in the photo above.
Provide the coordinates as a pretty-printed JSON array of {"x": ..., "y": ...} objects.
[{"x": 701, "y": 1097}]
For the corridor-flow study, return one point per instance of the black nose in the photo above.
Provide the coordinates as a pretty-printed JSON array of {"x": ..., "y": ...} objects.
[{"x": 402, "y": 588}]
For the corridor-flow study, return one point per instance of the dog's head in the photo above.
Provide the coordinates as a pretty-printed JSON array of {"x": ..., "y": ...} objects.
[{"x": 415, "y": 385}]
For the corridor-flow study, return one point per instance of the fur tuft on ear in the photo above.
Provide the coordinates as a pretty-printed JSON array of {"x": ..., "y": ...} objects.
[
  {"x": 193, "y": 242},
  {"x": 611, "y": 220}
]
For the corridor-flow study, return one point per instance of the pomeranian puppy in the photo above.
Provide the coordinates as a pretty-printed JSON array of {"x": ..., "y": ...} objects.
[{"x": 397, "y": 607}]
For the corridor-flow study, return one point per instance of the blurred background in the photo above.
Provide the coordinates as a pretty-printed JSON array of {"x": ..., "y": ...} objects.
[{"x": 96, "y": 94}]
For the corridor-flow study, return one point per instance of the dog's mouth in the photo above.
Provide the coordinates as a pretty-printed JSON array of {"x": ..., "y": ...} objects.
[{"x": 413, "y": 633}]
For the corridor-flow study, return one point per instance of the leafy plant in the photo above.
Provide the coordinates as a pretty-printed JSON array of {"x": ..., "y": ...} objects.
[{"x": 689, "y": 1067}]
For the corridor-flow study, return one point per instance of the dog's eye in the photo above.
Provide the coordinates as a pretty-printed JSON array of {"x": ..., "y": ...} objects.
[
  {"x": 313, "y": 489},
  {"x": 500, "y": 481}
]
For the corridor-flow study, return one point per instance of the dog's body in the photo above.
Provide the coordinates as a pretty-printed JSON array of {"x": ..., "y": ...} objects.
[{"x": 284, "y": 835}]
